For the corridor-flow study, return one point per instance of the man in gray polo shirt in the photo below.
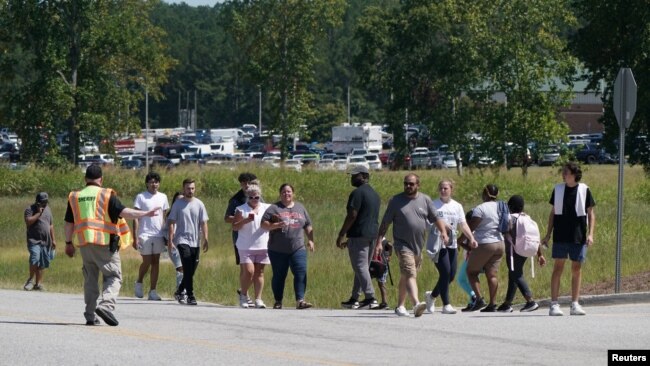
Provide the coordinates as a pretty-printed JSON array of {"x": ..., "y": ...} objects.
[
  {"x": 40, "y": 240},
  {"x": 360, "y": 226},
  {"x": 411, "y": 214}
]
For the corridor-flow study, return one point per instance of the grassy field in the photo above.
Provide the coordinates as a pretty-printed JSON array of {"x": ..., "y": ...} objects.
[{"x": 324, "y": 194}]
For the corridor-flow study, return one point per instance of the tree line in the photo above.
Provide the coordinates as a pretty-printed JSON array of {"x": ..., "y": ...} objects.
[{"x": 82, "y": 67}]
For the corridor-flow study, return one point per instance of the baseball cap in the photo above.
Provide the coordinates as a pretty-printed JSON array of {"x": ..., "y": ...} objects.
[
  {"x": 93, "y": 172},
  {"x": 357, "y": 169},
  {"x": 41, "y": 197}
]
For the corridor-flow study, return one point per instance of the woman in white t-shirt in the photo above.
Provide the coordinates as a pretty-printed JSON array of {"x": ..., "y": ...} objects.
[
  {"x": 454, "y": 217},
  {"x": 252, "y": 245},
  {"x": 486, "y": 256}
]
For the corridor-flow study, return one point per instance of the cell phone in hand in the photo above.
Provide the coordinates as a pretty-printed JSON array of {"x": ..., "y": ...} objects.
[{"x": 251, "y": 216}]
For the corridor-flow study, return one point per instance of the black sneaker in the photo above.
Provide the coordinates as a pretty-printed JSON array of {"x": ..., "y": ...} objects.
[
  {"x": 93, "y": 322},
  {"x": 382, "y": 306},
  {"x": 370, "y": 303},
  {"x": 350, "y": 304},
  {"x": 478, "y": 304},
  {"x": 191, "y": 300},
  {"x": 489, "y": 309},
  {"x": 504, "y": 308},
  {"x": 180, "y": 297},
  {"x": 107, "y": 316},
  {"x": 530, "y": 306}
]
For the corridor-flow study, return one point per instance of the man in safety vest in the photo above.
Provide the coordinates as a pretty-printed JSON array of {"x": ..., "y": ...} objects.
[{"x": 91, "y": 219}]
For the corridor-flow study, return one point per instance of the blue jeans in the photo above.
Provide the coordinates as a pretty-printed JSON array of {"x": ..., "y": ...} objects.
[
  {"x": 516, "y": 276},
  {"x": 280, "y": 264}
]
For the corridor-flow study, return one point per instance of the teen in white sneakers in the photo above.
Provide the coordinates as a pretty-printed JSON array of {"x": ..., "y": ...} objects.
[{"x": 572, "y": 222}]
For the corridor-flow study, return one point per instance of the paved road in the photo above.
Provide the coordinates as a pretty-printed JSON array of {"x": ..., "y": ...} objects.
[{"x": 47, "y": 329}]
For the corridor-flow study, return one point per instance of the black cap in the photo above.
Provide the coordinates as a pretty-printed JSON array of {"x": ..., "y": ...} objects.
[
  {"x": 41, "y": 197},
  {"x": 358, "y": 169},
  {"x": 93, "y": 172}
]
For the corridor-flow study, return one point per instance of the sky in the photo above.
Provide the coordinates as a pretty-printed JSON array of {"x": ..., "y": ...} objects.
[{"x": 195, "y": 2}]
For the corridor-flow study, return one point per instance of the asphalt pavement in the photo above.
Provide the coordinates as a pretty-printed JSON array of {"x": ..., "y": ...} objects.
[{"x": 40, "y": 328}]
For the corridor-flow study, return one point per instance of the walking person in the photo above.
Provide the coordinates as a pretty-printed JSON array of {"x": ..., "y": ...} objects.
[
  {"x": 188, "y": 227},
  {"x": 149, "y": 238},
  {"x": 487, "y": 249},
  {"x": 360, "y": 226},
  {"x": 572, "y": 222},
  {"x": 386, "y": 254},
  {"x": 461, "y": 273},
  {"x": 453, "y": 215},
  {"x": 288, "y": 222},
  {"x": 411, "y": 213},
  {"x": 172, "y": 251},
  {"x": 252, "y": 244},
  {"x": 41, "y": 242},
  {"x": 91, "y": 218},
  {"x": 235, "y": 201},
  {"x": 516, "y": 277}
]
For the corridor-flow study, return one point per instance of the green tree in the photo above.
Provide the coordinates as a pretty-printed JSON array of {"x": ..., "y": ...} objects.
[
  {"x": 278, "y": 39},
  {"x": 88, "y": 64},
  {"x": 615, "y": 34}
]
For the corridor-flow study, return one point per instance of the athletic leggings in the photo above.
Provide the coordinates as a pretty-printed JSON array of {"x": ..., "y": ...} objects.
[
  {"x": 463, "y": 281},
  {"x": 447, "y": 269}
]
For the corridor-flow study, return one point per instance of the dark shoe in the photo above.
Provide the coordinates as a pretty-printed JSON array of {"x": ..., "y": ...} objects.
[
  {"x": 107, "y": 316},
  {"x": 530, "y": 306},
  {"x": 469, "y": 305},
  {"x": 370, "y": 303},
  {"x": 277, "y": 305},
  {"x": 38, "y": 288},
  {"x": 180, "y": 297},
  {"x": 489, "y": 309},
  {"x": 302, "y": 304},
  {"x": 350, "y": 304},
  {"x": 504, "y": 308},
  {"x": 478, "y": 304},
  {"x": 93, "y": 322},
  {"x": 29, "y": 285},
  {"x": 381, "y": 306},
  {"x": 191, "y": 300}
]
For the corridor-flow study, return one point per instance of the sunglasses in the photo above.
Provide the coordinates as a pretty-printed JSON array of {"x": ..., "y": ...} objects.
[{"x": 254, "y": 198}]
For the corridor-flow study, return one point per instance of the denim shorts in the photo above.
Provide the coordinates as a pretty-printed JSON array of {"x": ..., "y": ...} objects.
[
  {"x": 575, "y": 252},
  {"x": 39, "y": 255}
]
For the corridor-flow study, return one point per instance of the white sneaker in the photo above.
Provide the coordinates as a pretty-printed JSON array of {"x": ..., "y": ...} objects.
[
  {"x": 138, "y": 290},
  {"x": 448, "y": 309},
  {"x": 430, "y": 301},
  {"x": 555, "y": 310},
  {"x": 259, "y": 304},
  {"x": 576, "y": 309},
  {"x": 401, "y": 311},
  {"x": 243, "y": 301},
  {"x": 418, "y": 309},
  {"x": 153, "y": 295}
]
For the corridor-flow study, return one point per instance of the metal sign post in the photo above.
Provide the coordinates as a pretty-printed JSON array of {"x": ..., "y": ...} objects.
[{"x": 624, "y": 109}]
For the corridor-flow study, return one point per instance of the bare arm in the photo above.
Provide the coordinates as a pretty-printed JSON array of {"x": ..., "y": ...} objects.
[
  {"x": 68, "y": 229},
  {"x": 136, "y": 224},
  {"x": 130, "y": 213},
  {"x": 383, "y": 228},
  {"x": 591, "y": 221},
  {"x": 31, "y": 220},
  {"x": 347, "y": 224},
  {"x": 310, "y": 237},
  {"x": 52, "y": 236},
  {"x": 172, "y": 230},
  {"x": 467, "y": 232},
  {"x": 473, "y": 224},
  {"x": 549, "y": 227},
  {"x": 239, "y": 221},
  {"x": 204, "y": 231}
]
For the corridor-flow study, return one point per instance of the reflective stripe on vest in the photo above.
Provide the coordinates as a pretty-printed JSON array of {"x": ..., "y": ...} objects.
[{"x": 92, "y": 223}]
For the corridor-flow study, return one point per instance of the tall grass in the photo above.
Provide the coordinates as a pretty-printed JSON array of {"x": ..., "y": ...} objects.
[{"x": 324, "y": 194}]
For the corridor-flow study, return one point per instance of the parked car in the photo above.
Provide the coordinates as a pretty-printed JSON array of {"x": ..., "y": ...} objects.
[
  {"x": 549, "y": 156},
  {"x": 398, "y": 160},
  {"x": 294, "y": 164},
  {"x": 341, "y": 163},
  {"x": 358, "y": 160},
  {"x": 420, "y": 160},
  {"x": 589, "y": 153},
  {"x": 435, "y": 160},
  {"x": 449, "y": 161},
  {"x": 374, "y": 163},
  {"x": 326, "y": 164},
  {"x": 135, "y": 164},
  {"x": 89, "y": 147}
]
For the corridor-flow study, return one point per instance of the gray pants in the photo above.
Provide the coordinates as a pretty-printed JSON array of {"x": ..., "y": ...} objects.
[
  {"x": 98, "y": 259},
  {"x": 360, "y": 251}
]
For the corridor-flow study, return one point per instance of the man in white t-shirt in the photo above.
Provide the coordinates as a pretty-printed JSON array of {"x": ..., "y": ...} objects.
[{"x": 150, "y": 237}]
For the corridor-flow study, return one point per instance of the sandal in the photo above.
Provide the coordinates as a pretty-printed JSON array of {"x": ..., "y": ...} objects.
[
  {"x": 277, "y": 305},
  {"x": 302, "y": 304}
]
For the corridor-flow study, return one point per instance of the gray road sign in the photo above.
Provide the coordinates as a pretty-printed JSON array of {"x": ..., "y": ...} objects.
[{"x": 624, "y": 97}]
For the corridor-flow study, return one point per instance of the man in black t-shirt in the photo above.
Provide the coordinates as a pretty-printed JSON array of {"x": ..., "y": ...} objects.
[
  {"x": 360, "y": 227},
  {"x": 572, "y": 222}
]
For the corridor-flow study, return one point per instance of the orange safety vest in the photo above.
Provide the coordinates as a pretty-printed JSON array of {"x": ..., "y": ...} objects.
[{"x": 92, "y": 223}]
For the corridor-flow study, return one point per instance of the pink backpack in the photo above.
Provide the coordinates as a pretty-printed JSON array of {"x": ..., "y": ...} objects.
[{"x": 527, "y": 238}]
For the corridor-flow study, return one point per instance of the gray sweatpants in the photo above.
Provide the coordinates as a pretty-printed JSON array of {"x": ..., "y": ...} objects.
[
  {"x": 96, "y": 259},
  {"x": 360, "y": 251}
]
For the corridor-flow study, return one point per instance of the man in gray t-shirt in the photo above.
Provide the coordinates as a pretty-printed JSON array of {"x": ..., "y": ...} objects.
[
  {"x": 411, "y": 214},
  {"x": 40, "y": 240},
  {"x": 188, "y": 221}
]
